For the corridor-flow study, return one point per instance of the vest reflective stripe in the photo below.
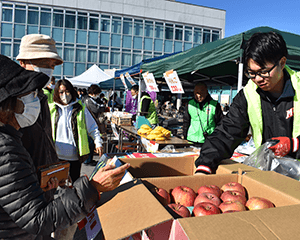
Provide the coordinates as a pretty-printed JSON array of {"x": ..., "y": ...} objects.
[
  {"x": 83, "y": 144},
  {"x": 195, "y": 132},
  {"x": 152, "y": 115},
  {"x": 49, "y": 95},
  {"x": 255, "y": 112}
]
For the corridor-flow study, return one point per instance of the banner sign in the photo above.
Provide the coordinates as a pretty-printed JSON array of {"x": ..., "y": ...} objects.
[
  {"x": 173, "y": 81},
  {"x": 129, "y": 78},
  {"x": 150, "y": 82},
  {"x": 123, "y": 81}
]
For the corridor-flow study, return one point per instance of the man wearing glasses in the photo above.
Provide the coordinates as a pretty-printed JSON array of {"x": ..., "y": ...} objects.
[{"x": 268, "y": 104}]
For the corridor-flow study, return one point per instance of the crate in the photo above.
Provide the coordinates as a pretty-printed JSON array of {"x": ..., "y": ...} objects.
[{"x": 121, "y": 121}]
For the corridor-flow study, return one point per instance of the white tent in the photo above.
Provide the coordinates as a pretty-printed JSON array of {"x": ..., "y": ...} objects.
[{"x": 94, "y": 75}]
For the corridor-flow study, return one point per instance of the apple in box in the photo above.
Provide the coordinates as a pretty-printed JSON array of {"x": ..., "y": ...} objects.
[
  {"x": 232, "y": 206},
  {"x": 179, "y": 209},
  {"x": 162, "y": 195},
  {"x": 233, "y": 196},
  {"x": 211, "y": 189},
  {"x": 255, "y": 203},
  {"x": 183, "y": 195},
  {"x": 205, "y": 208},
  {"x": 233, "y": 186},
  {"x": 207, "y": 197}
]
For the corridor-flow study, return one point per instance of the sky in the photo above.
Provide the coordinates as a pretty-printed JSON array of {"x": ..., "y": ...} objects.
[{"x": 242, "y": 15}]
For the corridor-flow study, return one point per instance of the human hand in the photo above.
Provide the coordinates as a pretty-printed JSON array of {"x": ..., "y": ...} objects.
[
  {"x": 284, "y": 146},
  {"x": 109, "y": 177},
  {"x": 52, "y": 183},
  {"x": 99, "y": 150}
]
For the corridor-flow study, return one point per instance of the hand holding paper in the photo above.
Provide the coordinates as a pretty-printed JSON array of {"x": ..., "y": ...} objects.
[{"x": 109, "y": 177}]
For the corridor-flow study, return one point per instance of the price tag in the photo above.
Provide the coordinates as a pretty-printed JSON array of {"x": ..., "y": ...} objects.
[
  {"x": 173, "y": 81},
  {"x": 129, "y": 78},
  {"x": 123, "y": 81},
  {"x": 150, "y": 82}
]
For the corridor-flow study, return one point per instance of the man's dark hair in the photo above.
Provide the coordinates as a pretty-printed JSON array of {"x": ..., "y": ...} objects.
[
  {"x": 135, "y": 88},
  {"x": 94, "y": 89},
  {"x": 265, "y": 47}
]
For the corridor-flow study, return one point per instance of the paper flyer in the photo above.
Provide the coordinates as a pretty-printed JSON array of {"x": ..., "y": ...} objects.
[
  {"x": 150, "y": 82},
  {"x": 173, "y": 81},
  {"x": 123, "y": 81},
  {"x": 129, "y": 78}
]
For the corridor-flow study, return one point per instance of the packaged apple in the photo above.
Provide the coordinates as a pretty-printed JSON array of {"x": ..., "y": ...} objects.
[{"x": 183, "y": 201}]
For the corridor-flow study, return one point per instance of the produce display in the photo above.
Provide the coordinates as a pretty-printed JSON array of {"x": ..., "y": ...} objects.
[
  {"x": 158, "y": 133},
  {"x": 209, "y": 199}
]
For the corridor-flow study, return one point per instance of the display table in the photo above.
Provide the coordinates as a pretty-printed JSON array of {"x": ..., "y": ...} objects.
[{"x": 131, "y": 130}]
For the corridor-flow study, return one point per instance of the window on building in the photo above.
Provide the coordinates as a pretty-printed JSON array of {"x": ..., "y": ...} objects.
[
  {"x": 20, "y": 16},
  {"x": 159, "y": 30},
  {"x": 178, "y": 32},
  {"x": 33, "y": 17},
  {"x": 6, "y": 30},
  {"x": 177, "y": 46},
  {"x": 136, "y": 58},
  {"x": 82, "y": 22},
  {"x": 168, "y": 46},
  {"x": 138, "y": 27},
  {"x": 206, "y": 35},
  {"x": 92, "y": 56},
  {"x": 94, "y": 24},
  {"x": 69, "y": 20},
  {"x": 58, "y": 20},
  {"x": 188, "y": 33},
  {"x": 19, "y": 30},
  {"x": 116, "y": 40},
  {"x": 57, "y": 34},
  {"x": 69, "y": 54},
  {"x": 6, "y": 49},
  {"x": 127, "y": 26},
  {"x": 215, "y": 35},
  {"x": 81, "y": 36},
  {"x": 148, "y": 42},
  {"x": 197, "y": 35},
  {"x": 169, "y": 31},
  {"x": 116, "y": 25},
  {"x": 93, "y": 38},
  {"x": 126, "y": 41},
  {"x": 115, "y": 58},
  {"x": 104, "y": 39},
  {"x": 80, "y": 55},
  {"x": 7, "y": 15},
  {"x": 70, "y": 35},
  {"x": 137, "y": 42},
  {"x": 79, "y": 68},
  {"x": 126, "y": 59},
  {"x": 46, "y": 19},
  {"x": 148, "y": 29},
  {"x": 105, "y": 23},
  {"x": 68, "y": 69},
  {"x": 103, "y": 57}
]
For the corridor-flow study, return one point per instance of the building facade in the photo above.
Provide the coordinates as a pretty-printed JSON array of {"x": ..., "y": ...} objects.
[{"x": 109, "y": 33}]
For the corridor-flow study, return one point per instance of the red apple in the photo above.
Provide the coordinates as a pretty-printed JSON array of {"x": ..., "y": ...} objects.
[
  {"x": 205, "y": 208},
  {"x": 211, "y": 189},
  {"x": 230, "y": 211},
  {"x": 183, "y": 195},
  {"x": 233, "y": 196},
  {"x": 255, "y": 203},
  {"x": 233, "y": 186},
  {"x": 180, "y": 209},
  {"x": 162, "y": 195},
  {"x": 207, "y": 197},
  {"x": 229, "y": 206}
]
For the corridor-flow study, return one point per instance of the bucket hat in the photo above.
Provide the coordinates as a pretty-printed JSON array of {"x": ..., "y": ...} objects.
[
  {"x": 35, "y": 46},
  {"x": 15, "y": 80}
]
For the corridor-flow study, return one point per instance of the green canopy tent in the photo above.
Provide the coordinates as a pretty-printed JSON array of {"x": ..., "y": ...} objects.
[{"x": 217, "y": 63}]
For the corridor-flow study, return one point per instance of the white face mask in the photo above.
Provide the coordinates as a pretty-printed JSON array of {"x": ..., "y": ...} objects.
[
  {"x": 134, "y": 97},
  {"x": 31, "y": 111},
  {"x": 66, "y": 98},
  {"x": 47, "y": 71}
]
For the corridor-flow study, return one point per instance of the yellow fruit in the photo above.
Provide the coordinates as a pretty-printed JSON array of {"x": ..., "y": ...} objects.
[{"x": 160, "y": 139}]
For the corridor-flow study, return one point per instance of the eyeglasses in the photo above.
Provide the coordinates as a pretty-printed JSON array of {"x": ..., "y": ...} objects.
[{"x": 263, "y": 74}]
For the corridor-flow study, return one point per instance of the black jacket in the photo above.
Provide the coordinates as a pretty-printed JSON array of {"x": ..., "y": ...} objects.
[
  {"x": 95, "y": 107},
  {"x": 187, "y": 117},
  {"x": 235, "y": 125},
  {"x": 24, "y": 212}
]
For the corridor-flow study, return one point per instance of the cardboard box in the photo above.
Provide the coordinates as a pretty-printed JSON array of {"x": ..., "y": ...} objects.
[
  {"x": 122, "y": 121},
  {"x": 176, "y": 166},
  {"x": 132, "y": 209}
]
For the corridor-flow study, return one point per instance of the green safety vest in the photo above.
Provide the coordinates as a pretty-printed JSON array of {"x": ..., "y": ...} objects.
[
  {"x": 152, "y": 115},
  {"x": 82, "y": 141},
  {"x": 255, "y": 112},
  {"x": 49, "y": 94},
  {"x": 207, "y": 118}
]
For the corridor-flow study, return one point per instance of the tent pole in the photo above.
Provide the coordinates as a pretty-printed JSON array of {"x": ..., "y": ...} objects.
[
  {"x": 240, "y": 77},
  {"x": 113, "y": 100},
  {"x": 138, "y": 102}
]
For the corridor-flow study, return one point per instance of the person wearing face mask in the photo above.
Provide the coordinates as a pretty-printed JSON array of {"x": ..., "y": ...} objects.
[
  {"x": 131, "y": 102},
  {"x": 72, "y": 123},
  {"x": 25, "y": 214},
  {"x": 201, "y": 116},
  {"x": 38, "y": 53},
  {"x": 96, "y": 107}
]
